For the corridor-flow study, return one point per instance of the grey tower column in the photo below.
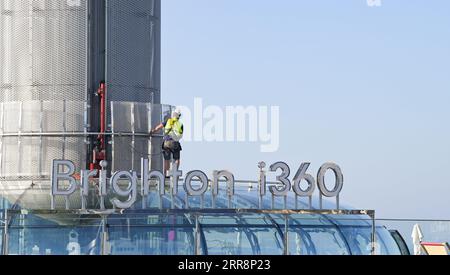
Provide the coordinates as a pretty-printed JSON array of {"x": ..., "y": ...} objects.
[
  {"x": 133, "y": 64},
  {"x": 125, "y": 52},
  {"x": 43, "y": 84},
  {"x": 53, "y": 56}
]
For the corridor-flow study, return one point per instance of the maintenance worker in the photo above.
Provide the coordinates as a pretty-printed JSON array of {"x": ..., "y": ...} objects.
[{"x": 173, "y": 133}]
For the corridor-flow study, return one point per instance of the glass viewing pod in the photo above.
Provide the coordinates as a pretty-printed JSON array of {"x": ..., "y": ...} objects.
[{"x": 170, "y": 227}]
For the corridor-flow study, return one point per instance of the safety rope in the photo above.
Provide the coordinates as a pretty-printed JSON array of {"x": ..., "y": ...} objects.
[{"x": 144, "y": 154}]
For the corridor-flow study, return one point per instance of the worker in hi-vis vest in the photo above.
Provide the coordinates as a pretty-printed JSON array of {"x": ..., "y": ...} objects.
[{"x": 173, "y": 133}]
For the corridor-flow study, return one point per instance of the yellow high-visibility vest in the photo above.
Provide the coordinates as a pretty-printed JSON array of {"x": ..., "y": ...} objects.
[{"x": 174, "y": 129}]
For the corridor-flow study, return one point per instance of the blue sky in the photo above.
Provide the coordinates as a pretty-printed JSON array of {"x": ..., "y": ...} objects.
[{"x": 367, "y": 88}]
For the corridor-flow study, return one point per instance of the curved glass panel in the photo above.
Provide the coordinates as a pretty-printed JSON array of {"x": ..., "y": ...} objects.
[
  {"x": 32, "y": 235},
  {"x": 388, "y": 241},
  {"x": 324, "y": 241},
  {"x": 139, "y": 231},
  {"x": 247, "y": 236},
  {"x": 315, "y": 235},
  {"x": 150, "y": 235},
  {"x": 359, "y": 240}
]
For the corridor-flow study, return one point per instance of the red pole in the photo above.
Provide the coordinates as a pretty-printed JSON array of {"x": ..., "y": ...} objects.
[
  {"x": 99, "y": 152},
  {"x": 102, "y": 94}
]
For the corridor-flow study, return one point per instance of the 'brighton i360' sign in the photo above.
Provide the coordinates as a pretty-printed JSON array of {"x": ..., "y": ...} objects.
[{"x": 64, "y": 170}]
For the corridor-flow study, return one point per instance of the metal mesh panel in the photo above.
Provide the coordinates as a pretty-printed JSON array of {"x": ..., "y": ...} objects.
[
  {"x": 141, "y": 118},
  {"x": 37, "y": 92},
  {"x": 129, "y": 117},
  {"x": 31, "y": 156},
  {"x": 141, "y": 150},
  {"x": 11, "y": 117},
  {"x": 133, "y": 56},
  {"x": 138, "y": 118},
  {"x": 10, "y": 157},
  {"x": 43, "y": 51},
  {"x": 44, "y": 64},
  {"x": 75, "y": 116},
  {"x": 121, "y": 112},
  {"x": 52, "y": 149},
  {"x": 31, "y": 116},
  {"x": 53, "y": 116},
  {"x": 43, "y": 78},
  {"x": 75, "y": 151}
]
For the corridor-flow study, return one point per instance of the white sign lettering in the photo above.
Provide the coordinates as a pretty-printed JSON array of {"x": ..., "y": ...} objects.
[{"x": 124, "y": 184}]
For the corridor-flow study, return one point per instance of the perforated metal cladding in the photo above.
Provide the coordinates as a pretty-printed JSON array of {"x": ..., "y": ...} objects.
[
  {"x": 138, "y": 118},
  {"x": 43, "y": 78},
  {"x": 44, "y": 67},
  {"x": 43, "y": 50},
  {"x": 32, "y": 156},
  {"x": 127, "y": 151},
  {"x": 133, "y": 38}
]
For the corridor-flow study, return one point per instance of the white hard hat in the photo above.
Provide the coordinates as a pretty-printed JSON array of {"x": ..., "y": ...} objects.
[{"x": 176, "y": 113}]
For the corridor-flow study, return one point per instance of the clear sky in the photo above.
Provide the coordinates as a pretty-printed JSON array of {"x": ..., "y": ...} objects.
[{"x": 367, "y": 88}]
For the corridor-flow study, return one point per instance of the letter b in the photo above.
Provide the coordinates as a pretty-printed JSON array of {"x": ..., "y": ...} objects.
[{"x": 57, "y": 176}]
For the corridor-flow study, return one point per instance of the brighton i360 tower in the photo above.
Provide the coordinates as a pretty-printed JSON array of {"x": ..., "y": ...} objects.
[{"x": 79, "y": 80}]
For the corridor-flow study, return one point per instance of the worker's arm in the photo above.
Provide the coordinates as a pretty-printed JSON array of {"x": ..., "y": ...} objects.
[{"x": 157, "y": 129}]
